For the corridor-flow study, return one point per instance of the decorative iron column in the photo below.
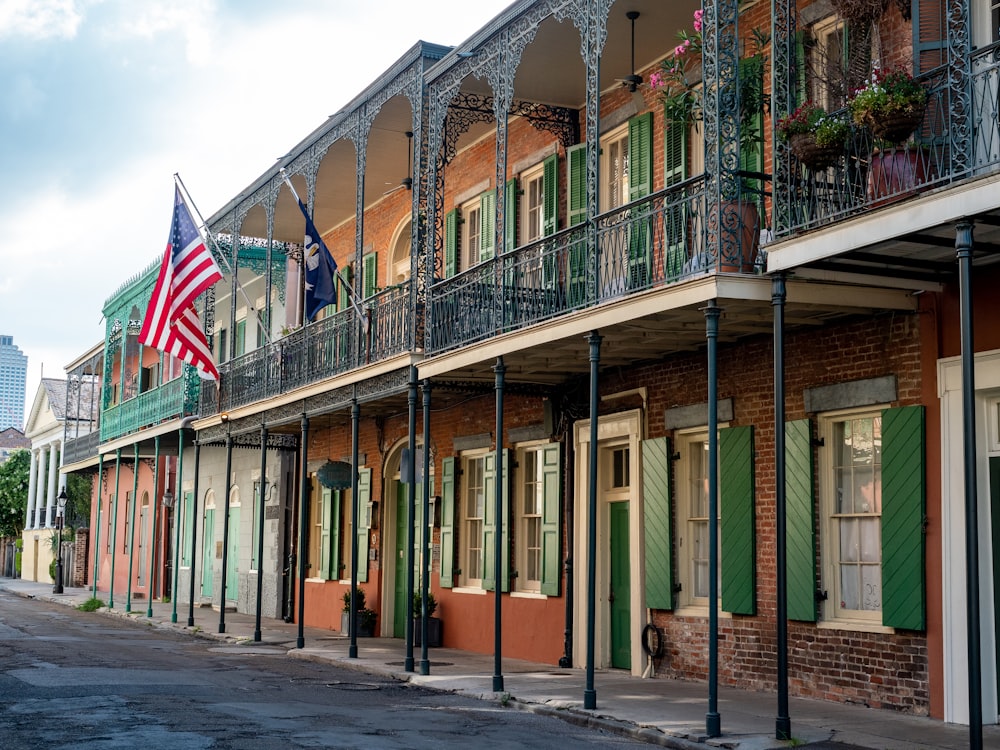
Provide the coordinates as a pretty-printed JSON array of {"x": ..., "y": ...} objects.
[
  {"x": 194, "y": 532},
  {"x": 179, "y": 503},
  {"x": 498, "y": 574},
  {"x": 261, "y": 495},
  {"x": 114, "y": 528},
  {"x": 783, "y": 723},
  {"x": 589, "y": 693},
  {"x": 411, "y": 512},
  {"x": 97, "y": 523},
  {"x": 425, "y": 541},
  {"x": 352, "y": 651},
  {"x": 963, "y": 248},
  {"x": 300, "y": 642},
  {"x": 131, "y": 525},
  {"x": 784, "y": 74},
  {"x": 713, "y": 722},
  {"x": 225, "y": 530},
  {"x": 154, "y": 535}
]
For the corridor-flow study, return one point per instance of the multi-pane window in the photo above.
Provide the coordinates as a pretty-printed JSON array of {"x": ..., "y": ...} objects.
[
  {"x": 614, "y": 170},
  {"x": 694, "y": 561},
  {"x": 854, "y": 506},
  {"x": 471, "y": 237},
  {"x": 532, "y": 205},
  {"x": 473, "y": 516},
  {"x": 530, "y": 527}
]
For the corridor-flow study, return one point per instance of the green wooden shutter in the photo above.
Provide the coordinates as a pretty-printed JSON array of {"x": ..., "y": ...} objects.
[
  {"x": 800, "y": 526},
  {"x": 930, "y": 31},
  {"x": 490, "y": 523},
  {"x": 326, "y": 553},
  {"x": 336, "y": 564},
  {"x": 675, "y": 139},
  {"x": 364, "y": 497},
  {"x": 343, "y": 295},
  {"x": 640, "y": 156},
  {"x": 487, "y": 225},
  {"x": 576, "y": 183},
  {"x": 752, "y": 159},
  {"x": 550, "y": 195},
  {"x": 447, "y": 523},
  {"x": 903, "y": 510},
  {"x": 451, "y": 243},
  {"x": 736, "y": 505},
  {"x": 510, "y": 215},
  {"x": 657, "y": 469},
  {"x": 369, "y": 271},
  {"x": 551, "y": 457},
  {"x": 801, "y": 78}
]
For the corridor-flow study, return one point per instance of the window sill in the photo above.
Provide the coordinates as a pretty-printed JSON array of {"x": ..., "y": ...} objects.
[
  {"x": 527, "y": 595},
  {"x": 857, "y": 625},
  {"x": 470, "y": 590},
  {"x": 694, "y": 610}
]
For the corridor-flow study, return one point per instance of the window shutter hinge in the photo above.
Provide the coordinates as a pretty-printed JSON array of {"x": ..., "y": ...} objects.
[
  {"x": 821, "y": 596},
  {"x": 817, "y": 442}
]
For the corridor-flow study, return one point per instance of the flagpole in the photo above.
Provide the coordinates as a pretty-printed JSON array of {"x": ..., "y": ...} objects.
[
  {"x": 218, "y": 251},
  {"x": 351, "y": 295}
]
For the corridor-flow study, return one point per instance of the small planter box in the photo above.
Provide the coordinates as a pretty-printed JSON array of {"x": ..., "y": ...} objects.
[
  {"x": 364, "y": 629},
  {"x": 433, "y": 632}
]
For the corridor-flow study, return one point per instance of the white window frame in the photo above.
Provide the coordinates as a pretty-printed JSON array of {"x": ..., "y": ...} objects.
[
  {"x": 614, "y": 189},
  {"x": 532, "y": 186},
  {"x": 830, "y": 537},
  {"x": 525, "y": 485},
  {"x": 685, "y": 443},
  {"x": 470, "y": 239},
  {"x": 824, "y": 32},
  {"x": 466, "y": 522}
]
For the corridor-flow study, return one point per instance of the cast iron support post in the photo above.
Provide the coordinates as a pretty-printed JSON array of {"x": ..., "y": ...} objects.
[
  {"x": 589, "y": 693},
  {"x": 411, "y": 512},
  {"x": 306, "y": 485},
  {"x": 97, "y": 518},
  {"x": 194, "y": 532},
  {"x": 963, "y": 246},
  {"x": 114, "y": 528},
  {"x": 262, "y": 495},
  {"x": 155, "y": 534},
  {"x": 713, "y": 722},
  {"x": 131, "y": 526},
  {"x": 425, "y": 542},
  {"x": 225, "y": 531},
  {"x": 783, "y": 723},
  {"x": 176, "y": 516},
  {"x": 498, "y": 573},
  {"x": 58, "y": 587},
  {"x": 352, "y": 650}
]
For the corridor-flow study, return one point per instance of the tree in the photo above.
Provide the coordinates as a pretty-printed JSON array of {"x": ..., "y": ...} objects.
[
  {"x": 78, "y": 490},
  {"x": 14, "y": 492}
]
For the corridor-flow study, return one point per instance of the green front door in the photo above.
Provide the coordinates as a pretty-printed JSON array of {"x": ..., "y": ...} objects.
[
  {"x": 401, "y": 608},
  {"x": 232, "y": 554},
  {"x": 620, "y": 594},
  {"x": 208, "y": 554}
]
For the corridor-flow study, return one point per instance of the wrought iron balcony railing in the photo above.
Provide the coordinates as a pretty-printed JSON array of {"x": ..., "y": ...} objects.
[
  {"x": 318, "y": 351},
  {"x": 870, "y": 174},
  {"x": 81, "y": 448},
  {"x": 168, "y": 401},
  {"x": 658, "y": 240}
]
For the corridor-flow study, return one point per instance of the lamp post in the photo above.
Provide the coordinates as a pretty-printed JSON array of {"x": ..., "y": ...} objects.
[{"x": 61, "y": 499}]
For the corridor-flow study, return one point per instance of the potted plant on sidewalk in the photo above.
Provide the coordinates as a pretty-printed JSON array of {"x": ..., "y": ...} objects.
[
  {"x": 433, "y": 623},
  {"x": 364, "y": 618}
]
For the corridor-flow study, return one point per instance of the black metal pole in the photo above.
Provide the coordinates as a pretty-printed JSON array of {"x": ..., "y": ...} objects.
[
  {"x": 175, "y": 515},
  {"x": 713, "y": 722},
  {"x": 963, "y": 246},
  {"x": 303, "y": 528},
  {"x": 411, "y": 512},
  {"x": 131, "y": 526},
  {"x": 425, "y": 542},
  {"x": 58, "y": 588},
  {"x": 498, "y": 573},
  {"x": 260, "y": 528},
  {"x": 589, "y": 693},
  {"x": 783, "y": 723},
  {"x": 194, "y": 531},
  {"x": 97, "y": 522},
  {"x": 114, "y": 528},
  {"x": 352, "y": 651},
  {"x": 225, "y": 531}
]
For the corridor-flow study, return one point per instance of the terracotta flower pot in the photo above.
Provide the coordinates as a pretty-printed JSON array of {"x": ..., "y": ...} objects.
[
  {"x": 739, "y": 235},
  {"x": 898, "y": 173}
]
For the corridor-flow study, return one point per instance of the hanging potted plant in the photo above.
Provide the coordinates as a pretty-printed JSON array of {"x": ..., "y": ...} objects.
[{"x": 816, "y": 138}]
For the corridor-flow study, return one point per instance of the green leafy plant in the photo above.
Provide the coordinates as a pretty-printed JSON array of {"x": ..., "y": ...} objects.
[
  {"x": 360, "y": 603},
  {"x": 91, "y": 605},
  {"x": 810, "y": 118},
  {"x": 431, "y": 604},
  {"x": 890, "y": 104}
]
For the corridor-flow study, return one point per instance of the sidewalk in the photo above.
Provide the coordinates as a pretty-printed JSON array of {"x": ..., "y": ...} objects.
[{"x": 668, "y": 712}]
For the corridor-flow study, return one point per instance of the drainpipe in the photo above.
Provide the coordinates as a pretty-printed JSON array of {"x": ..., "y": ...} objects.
[{"x": 783, "y": 723}]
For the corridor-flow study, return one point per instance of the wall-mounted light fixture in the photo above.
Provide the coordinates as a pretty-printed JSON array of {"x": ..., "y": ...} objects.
[{"x": 168, "y": 499}]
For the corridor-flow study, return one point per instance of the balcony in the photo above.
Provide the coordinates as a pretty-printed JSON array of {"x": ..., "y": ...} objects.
[
  {"x": 168, "y": 401},
  {"x": 332, "y": 346},
  {"x": 866, "y": 177},
  {"x": 654, "y": 242}
]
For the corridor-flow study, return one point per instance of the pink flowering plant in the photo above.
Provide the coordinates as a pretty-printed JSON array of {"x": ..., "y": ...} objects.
[{"x": 810, "y": 118}]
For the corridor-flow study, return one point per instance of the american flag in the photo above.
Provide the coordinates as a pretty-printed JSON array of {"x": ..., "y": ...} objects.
[{"x": 188, "y": 269}]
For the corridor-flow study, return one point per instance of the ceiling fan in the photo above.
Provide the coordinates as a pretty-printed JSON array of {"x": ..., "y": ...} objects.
[
  {"x": 406, "y": 182},
  {"x": 632, "y": 80}
]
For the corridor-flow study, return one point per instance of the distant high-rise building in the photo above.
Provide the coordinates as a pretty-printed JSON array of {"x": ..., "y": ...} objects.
[{"x": 13, "y": 369}]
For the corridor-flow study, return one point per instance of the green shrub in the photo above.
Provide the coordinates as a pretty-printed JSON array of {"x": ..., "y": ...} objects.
[{"x": 91, "y": 605}]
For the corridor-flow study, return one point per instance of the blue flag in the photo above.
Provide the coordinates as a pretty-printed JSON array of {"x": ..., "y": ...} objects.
[{"x": 321, "y": 289}]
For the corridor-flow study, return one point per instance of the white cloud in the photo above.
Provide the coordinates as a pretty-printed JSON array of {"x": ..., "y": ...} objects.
[{"x": 40, "y": 19}]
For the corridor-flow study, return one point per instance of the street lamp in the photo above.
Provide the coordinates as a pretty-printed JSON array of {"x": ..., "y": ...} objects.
[{"x": 61, "y": 499}]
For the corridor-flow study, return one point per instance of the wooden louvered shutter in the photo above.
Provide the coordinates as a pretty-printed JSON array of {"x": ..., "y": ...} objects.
[
  {"x": 490, "y": 523},
  {"x": 447, "y": 523},
  {"x": 364, "y": 497},
  {"x": 930, "y": 31},
  {"x": 576, "y": 181},
  {"x": 657, "y": 469},
  {"x": 675, "y": 138},
  {"x": 903, "y": 509},
  {"x": 800, "y": 526},
  {"x": 510, "y": 215},
  {"x": 640, "y": 184},
  {"x": 487, "y": 225},
  {"x": 451, "y": 243},
  {"x": 327, "y": 553},
  {"x": 736, "y": 506},
  {"x": 550, "y": 195},
  {"x": 369, "y": 269},
  {"x": 551, "y": 465}
]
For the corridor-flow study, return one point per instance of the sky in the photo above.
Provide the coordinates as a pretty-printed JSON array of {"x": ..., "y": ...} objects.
[{"x": 103, "y": 101}]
